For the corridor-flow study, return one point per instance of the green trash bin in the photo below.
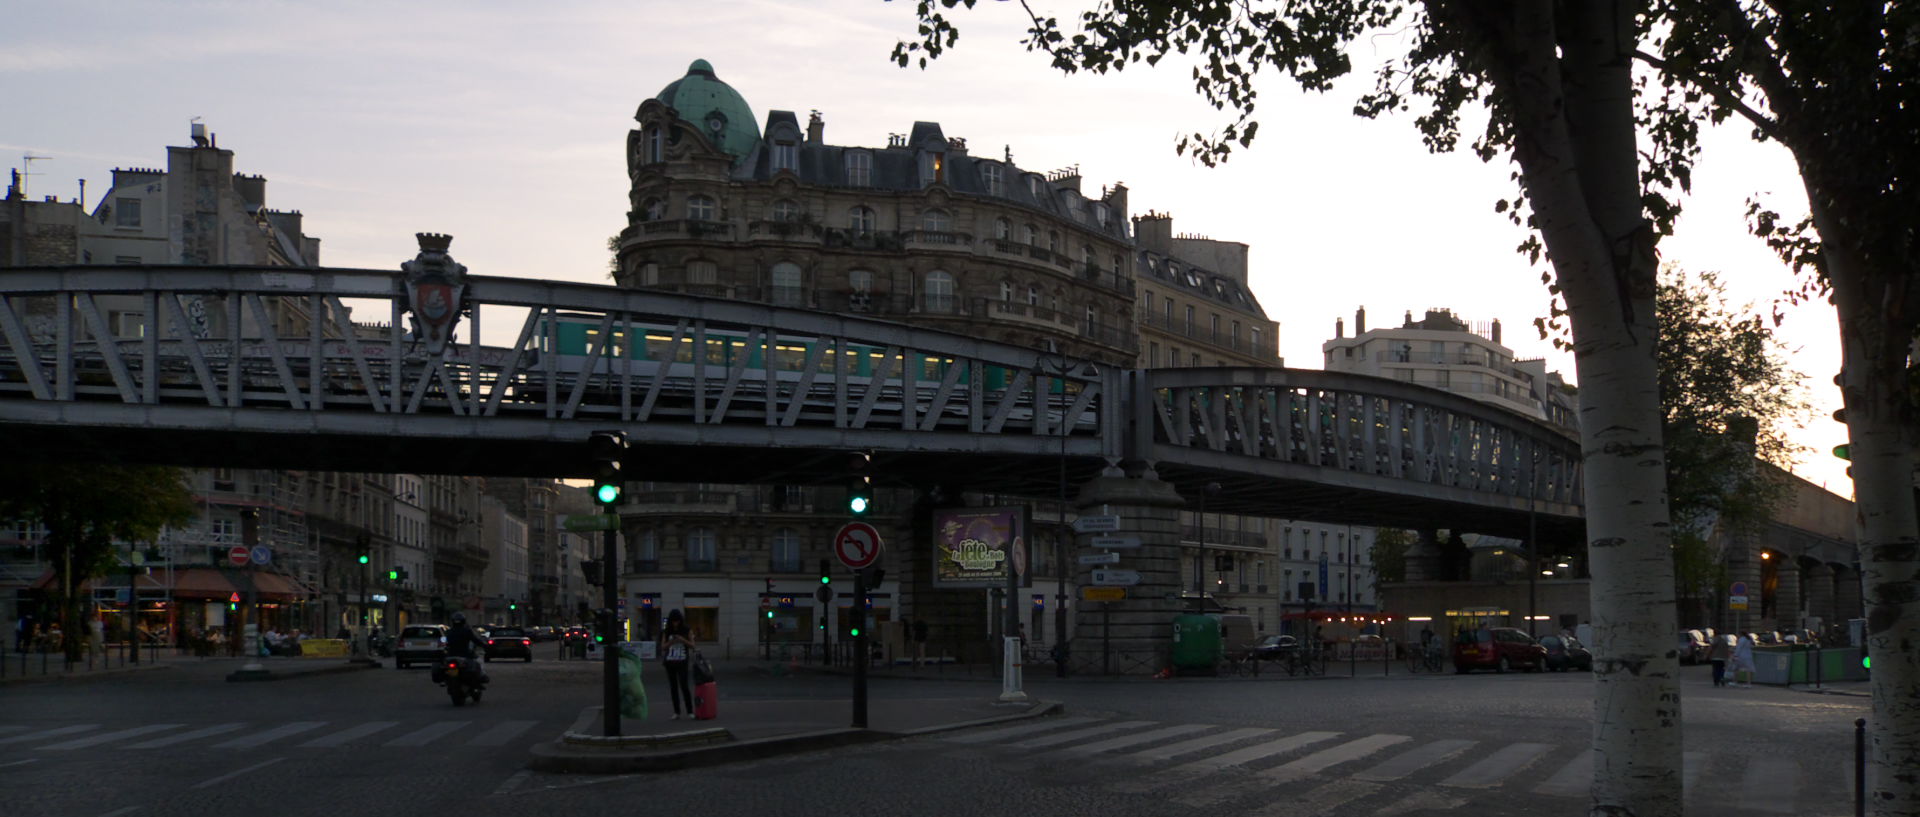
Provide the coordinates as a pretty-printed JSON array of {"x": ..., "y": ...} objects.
[{"x": 1196, "y": 643}]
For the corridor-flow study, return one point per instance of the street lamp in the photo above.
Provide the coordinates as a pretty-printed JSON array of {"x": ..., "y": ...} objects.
[
  {"x": 1063, "y": 644},
  {"x": 1200, "y": 555}
]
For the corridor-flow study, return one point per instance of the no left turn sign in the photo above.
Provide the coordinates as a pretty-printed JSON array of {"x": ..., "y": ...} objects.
[{"x": 857, "y": 544}]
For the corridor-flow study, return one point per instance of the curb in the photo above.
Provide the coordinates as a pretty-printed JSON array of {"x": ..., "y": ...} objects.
[{"x": 560, "y": 756}]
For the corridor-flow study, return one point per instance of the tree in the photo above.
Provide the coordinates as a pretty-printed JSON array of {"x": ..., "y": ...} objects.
[
  {"x": 1726, "y": 398},
  {"x": 86, "y": 509},
  {"x": 1556, "y": 80},
  {"x": 1836, "y": 85}
]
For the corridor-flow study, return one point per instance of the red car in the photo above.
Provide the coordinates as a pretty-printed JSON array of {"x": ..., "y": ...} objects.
[{"x": 1498, "y": 649}]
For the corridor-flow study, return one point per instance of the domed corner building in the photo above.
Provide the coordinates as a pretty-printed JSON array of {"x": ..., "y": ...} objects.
[{"x": 918, "y": 231}]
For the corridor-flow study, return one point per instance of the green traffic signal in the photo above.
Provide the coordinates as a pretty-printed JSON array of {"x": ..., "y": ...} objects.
[
  {"x": 607, "y": 493},
  {"x": 856, "y": 632},
  {"x": 1866, "y": 662},
  {"x": 769, "y": 615},
  {"x": 393, "y": 575},
  {"x": 858, "y": 504},
  {"x": 1843, "y": 451},
  {"x": 364, "y": 559}
]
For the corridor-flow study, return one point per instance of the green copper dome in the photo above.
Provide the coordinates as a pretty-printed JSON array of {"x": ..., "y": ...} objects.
[{"x": 714, "y": 107}]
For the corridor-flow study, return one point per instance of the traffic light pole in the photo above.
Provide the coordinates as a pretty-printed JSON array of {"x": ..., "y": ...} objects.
[
  {"x": 859, "y": 618},
  {"x": 610, "y": 649}
]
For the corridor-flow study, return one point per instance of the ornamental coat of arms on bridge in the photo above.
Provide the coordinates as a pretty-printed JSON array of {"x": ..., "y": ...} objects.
[{"x": 436, "y": 285}]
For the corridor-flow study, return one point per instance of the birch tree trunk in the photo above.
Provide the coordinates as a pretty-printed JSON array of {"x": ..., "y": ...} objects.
[{"x": 1569, "y": 91}]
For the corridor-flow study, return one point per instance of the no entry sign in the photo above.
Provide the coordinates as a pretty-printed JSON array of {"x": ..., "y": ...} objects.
[
  {"x": 857, "y": 544},
  {"x": 238, "y": 555}
]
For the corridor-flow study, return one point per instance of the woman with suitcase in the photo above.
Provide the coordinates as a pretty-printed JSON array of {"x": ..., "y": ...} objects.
[{"x": 676, "y": 649}]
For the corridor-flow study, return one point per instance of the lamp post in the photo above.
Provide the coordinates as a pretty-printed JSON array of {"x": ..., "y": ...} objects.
[
  {"x": 1533, "y": 546},
  {"x": 1200, "y": 556},
  {"x": 1063, "y": 645}
]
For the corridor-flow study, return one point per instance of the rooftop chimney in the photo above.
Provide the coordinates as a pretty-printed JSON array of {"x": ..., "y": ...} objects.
[
  {"x": 816, "y": 128},
  {"x": 1359, "y": 321},
  {"x": 1496, "y": 330},
  {"x": 1339, "y": 328}
]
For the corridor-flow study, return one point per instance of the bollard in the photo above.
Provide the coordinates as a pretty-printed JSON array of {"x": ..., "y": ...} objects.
[
  {"x": 1859, "y": 767},
  {"x": 1386, "y": 659}
]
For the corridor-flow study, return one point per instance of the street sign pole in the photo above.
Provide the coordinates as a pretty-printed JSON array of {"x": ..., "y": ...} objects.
[{"x": 859, "y": 619}]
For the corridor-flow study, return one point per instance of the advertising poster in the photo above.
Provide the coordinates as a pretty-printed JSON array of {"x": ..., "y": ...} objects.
[{"x": 975, "y": 546}]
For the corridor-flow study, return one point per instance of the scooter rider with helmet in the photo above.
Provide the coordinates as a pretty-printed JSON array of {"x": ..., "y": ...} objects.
[{"x": 461, "y": 641}]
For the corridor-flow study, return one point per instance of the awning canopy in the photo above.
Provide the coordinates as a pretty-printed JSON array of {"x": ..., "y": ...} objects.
[{"x": 204, "y": 583}]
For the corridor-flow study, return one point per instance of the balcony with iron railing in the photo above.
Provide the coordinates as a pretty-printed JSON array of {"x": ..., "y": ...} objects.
[
  {"x": 938, "y": 240},
  {"x": 1193, "y": 332},
  {"x": 792, "y": 232},
  {"x": 678, "y": 229}
]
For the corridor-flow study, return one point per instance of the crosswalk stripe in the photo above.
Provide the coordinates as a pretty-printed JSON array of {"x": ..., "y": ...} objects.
[
  {"x": 1498, "y": 766},
  {"x": 183, "y": 737},
  {"x": 1078, "y": 734},
  {"x": 1324, "y": 799},
  {"x": 1046, "y": 725},
  {"x": 1768, "y": 785},
  {"x": 501, "y": 734},
  {"x": 1173, "y": 750},
  {"x": 1136, "y": 739},
  {"x": 1328, "y": 758},
  {"x": 108, "y": 737},
  {"x": 1573, "y": 780},
  {"x": 270, "y": 735},
  {"x": 1423, "y": 801},
  {"x": 1414, "y": 760},
  {"x": 1257, "y": 751},
  {"x": 49, "y": 733},
  {"x": 346, "y": 735},
  {"x": 429, "y": 734}
]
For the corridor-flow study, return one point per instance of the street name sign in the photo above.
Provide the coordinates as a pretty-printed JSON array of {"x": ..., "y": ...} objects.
[
  {"x": 1103, "y": 593},
  {"x": 238, "y": 555},
  {"x": 580, "y": 523},
  {"x": 1100, "y": 559},
  {"x": 1096, "y": 524},
  {"x": 1115, "y": 542},
  {"x": 1116, "y": 578},
  {"x": 857, "y": 544}
]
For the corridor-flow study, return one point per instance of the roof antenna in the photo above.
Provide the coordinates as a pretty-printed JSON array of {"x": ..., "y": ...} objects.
[{"x": 26, "y": 169}]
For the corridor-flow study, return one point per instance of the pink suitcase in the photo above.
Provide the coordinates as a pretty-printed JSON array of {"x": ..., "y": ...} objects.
[{"x": 706, "y": 707}]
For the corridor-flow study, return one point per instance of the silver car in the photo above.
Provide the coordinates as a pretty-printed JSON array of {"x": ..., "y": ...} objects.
[{"x": 420, "y": 643}]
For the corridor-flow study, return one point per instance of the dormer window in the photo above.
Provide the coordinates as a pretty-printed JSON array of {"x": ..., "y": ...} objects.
[
  {"x": 786, "y": 155},
  {"x": 1100, "y": 213},
  {"x": 990, "y": 175},
  {"x": 933, "y": 168},
  {"x": 859, "y": 168}
]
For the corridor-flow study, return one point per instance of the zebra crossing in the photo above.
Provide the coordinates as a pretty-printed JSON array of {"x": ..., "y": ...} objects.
[
  {"x": 240, "y": 735},
  {"x": 1323, "y": 772}
]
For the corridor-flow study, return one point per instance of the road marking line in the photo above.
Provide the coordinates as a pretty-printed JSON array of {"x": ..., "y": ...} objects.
[
  {"x": 236, "y": 773},
  {"x": 1216, "y": 793},
  {"x": 96, "y": 740},
  {"x": 1769, "y": 785},
  {"x": 50, "y": 733},
  {"x": 429, "y": 734},
  {"x": 119, "y": 811},
  {"x": 501, "y": 734},
  {"x": 345, "y": 735},
  {"x": 1573, "y": 780},
  {"x": 1323, "y": 800},
  {"x": 1173, "y": 750},
  {"x": 1068, "y": 737},
  {"x": 20, "y": 762},
  {"x": 1257, "y": 751},
  {"x": 1414, "y": 760},
  {"x": 1048, "y": 724},
  {"x": 1328, "y": 758},
  {"x": 183, "y": 737},
  {"x": 1133, "y": 740},
  {"x": 507, "y": 786},
  {"x": 1499, "y": 766},
  {"x": 1423, "y": 801},
  {"x": 270, "y": 735}
]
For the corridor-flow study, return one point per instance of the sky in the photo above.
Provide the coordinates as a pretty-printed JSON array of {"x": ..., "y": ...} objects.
[{"x": 505, "y": 126}]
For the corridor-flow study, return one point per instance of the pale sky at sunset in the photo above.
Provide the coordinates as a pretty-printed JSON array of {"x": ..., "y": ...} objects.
[{"x": 504, "y": 124}]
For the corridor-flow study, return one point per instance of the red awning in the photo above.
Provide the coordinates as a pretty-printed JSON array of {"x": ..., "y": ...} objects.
[{"x": 208, "y": 583}]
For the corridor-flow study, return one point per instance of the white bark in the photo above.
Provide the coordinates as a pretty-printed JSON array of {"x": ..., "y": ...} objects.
[{"x": 1570, "y": 95}]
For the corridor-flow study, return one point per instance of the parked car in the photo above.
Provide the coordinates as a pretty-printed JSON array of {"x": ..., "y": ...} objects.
[
  {"x": 1692, "y": 646},
  {"x": 542, "y": 633},
  {"x": 1275, "y": 647},
  {"x": 1565, "y": 651},
  {"x": 420, "y": 643},
  {"x": 508, "y": 642},
  {"x": 1497, "y": 648}
]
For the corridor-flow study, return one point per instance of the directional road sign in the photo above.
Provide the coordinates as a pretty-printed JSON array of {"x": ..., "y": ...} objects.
[
  {"x": 1100, "y": 559},
  {"x": 857, "y": 544},
  {"x": 1096, "y": 524},
  {"x": 1103, "y": 593},
  {"x": 582, "y": 522},
  {"x": 238, "y": 555},
  {"x": 262, "y": 554},
  {"x": 1116, "y": 578},
  {"x": 1115, "y": 542}
]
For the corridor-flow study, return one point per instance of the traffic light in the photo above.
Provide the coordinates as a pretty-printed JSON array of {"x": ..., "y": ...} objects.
[
  {"x": 826, "y": 575},
  {"x": 364, "y": 559},
  {"x": 513, "y": 605},
  {"x": 608, "y": 449},
  {"x": 393, "y": 575},
  {"x": 853, "y": 630},
  {"x": 859, "y": 483}
]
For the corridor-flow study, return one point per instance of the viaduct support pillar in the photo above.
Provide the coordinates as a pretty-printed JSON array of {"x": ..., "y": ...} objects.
[{"x": 1133, "y": 636}]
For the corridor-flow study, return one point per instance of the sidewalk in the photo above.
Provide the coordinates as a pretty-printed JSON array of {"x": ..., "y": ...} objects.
[
  {"x": 34, "y": 668},
  {"x": 755, "y": 728}
]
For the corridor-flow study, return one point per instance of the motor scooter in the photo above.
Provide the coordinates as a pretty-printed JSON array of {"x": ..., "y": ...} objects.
[{"x": 462, "y": 677}]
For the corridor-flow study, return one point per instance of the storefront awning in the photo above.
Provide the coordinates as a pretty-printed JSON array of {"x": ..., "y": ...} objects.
[{"x": 203, "y": 583}]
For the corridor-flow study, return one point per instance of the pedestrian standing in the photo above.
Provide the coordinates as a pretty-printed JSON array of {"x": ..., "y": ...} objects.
[
  {"x": 1717, "y": 655},
  {"x": 676, "y": 649},
  {"x": 22, "y": 632},
  {"x": 1743, "y": 661}
]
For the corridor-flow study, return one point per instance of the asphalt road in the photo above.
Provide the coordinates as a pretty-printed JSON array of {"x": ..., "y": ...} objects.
[{"x": 183, "y": 742}]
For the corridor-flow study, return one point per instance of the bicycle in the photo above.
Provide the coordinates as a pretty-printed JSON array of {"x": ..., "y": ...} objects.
[
  {"x": 1307, "y": 662},
  {"x": 1427, "y": 658},
  {"x": 1239, "y": 664}
]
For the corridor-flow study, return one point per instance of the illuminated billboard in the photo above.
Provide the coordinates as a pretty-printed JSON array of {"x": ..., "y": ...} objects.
[{"x": 973, "y": 546}]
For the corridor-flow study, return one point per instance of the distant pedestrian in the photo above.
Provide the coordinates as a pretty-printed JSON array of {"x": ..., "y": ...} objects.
[
  {"x": 919, "y": 641},
  {"x": 1743, "y": 661},
  {"x": 22, "y": 632},
  {"x": 676, "y": 649},
  {"x": 1717, "y": 655}
]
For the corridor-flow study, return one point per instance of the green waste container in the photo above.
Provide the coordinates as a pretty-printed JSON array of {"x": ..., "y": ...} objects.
[{"x": 1196, "y": 642}]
